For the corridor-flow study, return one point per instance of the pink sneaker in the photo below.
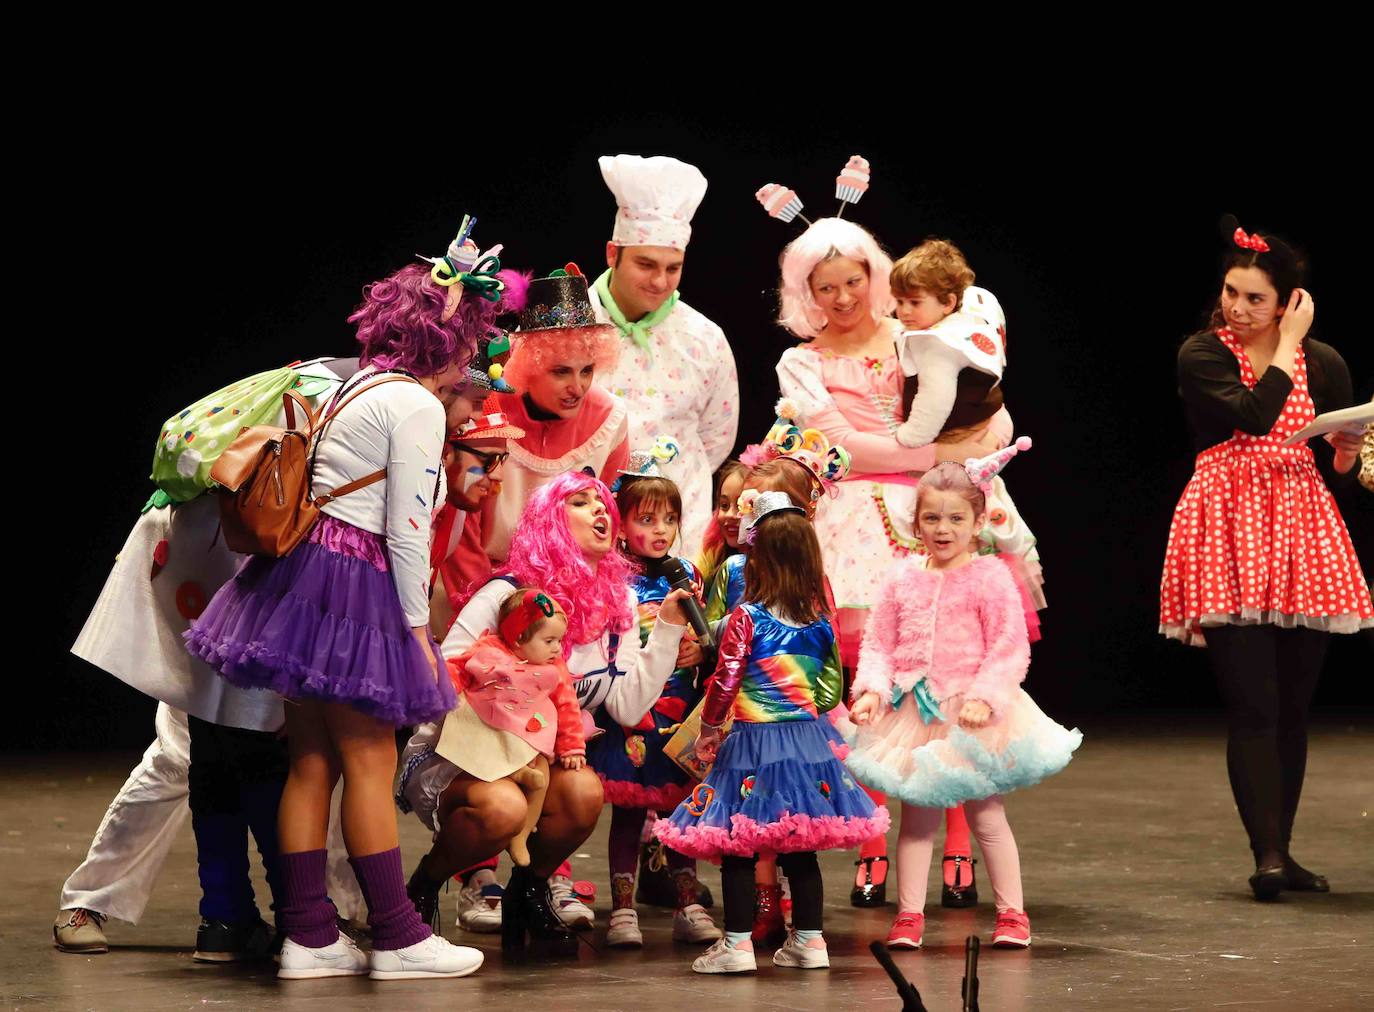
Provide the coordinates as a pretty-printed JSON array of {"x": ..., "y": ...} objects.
[
  {"x": 907, "y": 931},
  {"x": 1012, "y": 930}
]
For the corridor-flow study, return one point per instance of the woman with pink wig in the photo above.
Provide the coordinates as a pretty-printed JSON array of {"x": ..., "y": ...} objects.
[
  {"x": 565, "y": 544},
  {"x": 844, "y": 379},
  {"x": 340, "y": 625},
  {"x": 570, "y": 423}
]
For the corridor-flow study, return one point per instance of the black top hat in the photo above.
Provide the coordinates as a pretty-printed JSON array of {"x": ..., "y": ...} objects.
[{"x": 558, "y": 302}]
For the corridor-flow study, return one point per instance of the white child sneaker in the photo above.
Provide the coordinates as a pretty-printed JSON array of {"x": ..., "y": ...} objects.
[
  {"x": 433, "y": 957},
  {"x": 812, "y": 955},
  {"x": 342, "y": 958},
  {"x": 624, "y": 931},
  {"x": 571, "y": 910},
  {"x": 693, "y": 924},
  {"x": 725, "y": 958},
  {"x": 479, "y": 904}
]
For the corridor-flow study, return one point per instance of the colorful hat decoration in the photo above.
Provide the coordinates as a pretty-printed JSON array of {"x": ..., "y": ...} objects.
[
  {"x": 755, "y": 505},
  {"x": 981, "y": 470},
  {"x": 828, "y": 464},
  {"x": 488, "y": 365},
  {"x": 850, "y": 186},
  {"x": 488, "y": 430},
  {"x": 558, "y": 302},
  {"x": 535, "y": 606},
  {"x": 645, "y": 463},
  {"x": 464, "y": 268}
]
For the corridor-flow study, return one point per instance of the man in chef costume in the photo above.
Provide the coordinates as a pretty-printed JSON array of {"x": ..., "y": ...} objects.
[{"x": 676, "y": 370}]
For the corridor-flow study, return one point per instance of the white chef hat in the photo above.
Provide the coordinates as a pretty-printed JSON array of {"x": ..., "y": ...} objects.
[{"x": 656, "y": 197}]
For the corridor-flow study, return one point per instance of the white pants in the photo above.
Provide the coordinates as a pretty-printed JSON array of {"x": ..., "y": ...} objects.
[{"x": 143, "y": 820}]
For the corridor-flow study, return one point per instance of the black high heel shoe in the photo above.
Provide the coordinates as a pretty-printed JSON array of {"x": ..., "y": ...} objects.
[
  {"x": 527, "y": 909},
  {"x": 955, "y": 896},
  {"x": 1267, "y": 882},
  {"x": 869, "y": 893},
  {"x": 1298, "y": 879}
]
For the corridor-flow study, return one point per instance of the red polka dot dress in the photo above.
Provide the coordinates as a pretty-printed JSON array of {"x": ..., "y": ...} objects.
[{"x": 1257, "y": 537}]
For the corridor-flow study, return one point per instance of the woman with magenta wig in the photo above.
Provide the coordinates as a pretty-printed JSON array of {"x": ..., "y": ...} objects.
[
  {"x": 564, "y": 544},
  {"x": 339, "y": 626},
  {"x": 845, "y": 381},
  {"x": 570, "y": 422}
]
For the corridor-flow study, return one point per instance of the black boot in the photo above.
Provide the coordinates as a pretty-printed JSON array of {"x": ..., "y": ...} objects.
[
  {"x": 656, "y": 887},
  {"x": 424, "y": 893},
  {"x": 527, "y": 909}
]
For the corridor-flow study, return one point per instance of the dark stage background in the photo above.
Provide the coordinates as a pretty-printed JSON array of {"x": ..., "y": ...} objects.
[{"x": 244, "y": 251}]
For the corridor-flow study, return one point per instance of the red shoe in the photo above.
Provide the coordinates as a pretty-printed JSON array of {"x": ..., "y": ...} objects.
[
  {"x": 1012, "y": 930},
  {"x": 768, "y": 925},
  {"x": 907, "y": 931}
]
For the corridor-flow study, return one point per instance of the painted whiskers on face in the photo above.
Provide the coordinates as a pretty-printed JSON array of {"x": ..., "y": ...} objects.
[{"x": 1250, "y": 303}]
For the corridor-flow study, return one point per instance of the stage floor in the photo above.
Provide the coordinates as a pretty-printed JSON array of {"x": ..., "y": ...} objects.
[{"x": 1134, "y": 867}]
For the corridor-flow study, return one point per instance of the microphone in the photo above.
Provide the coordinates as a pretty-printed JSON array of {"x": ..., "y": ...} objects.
[{"x": 679, "y": 578}]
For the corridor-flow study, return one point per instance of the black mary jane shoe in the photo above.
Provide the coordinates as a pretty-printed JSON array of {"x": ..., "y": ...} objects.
[
  {"x": 1298, "y": 879},
  {"x": 1267, "y": 883},
  {"x": 527, "y": 910},
  {"x": 869, "y": 893},
  {"x": 958, "y": 897}
]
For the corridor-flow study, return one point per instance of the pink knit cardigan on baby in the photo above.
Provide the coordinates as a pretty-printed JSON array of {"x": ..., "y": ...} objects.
[{"x": 963, "y": 630}]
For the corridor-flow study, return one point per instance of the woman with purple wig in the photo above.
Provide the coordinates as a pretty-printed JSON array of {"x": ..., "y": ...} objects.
[
  {"x": 340, "y": 625},
  {"x": 564, "y": 544}
]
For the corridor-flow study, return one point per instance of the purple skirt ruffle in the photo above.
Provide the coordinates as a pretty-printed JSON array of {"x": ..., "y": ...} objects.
[{"x": 323, "y": 623}]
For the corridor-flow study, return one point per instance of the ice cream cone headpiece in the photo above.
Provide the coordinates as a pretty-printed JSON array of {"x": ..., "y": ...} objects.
[
  {"x": 655, "y": 199},
  {"x": 828, "y": 464},
  {"x": 463, "y": 268},
  {"x": 850, "y": 186},
  {"x": 647, "y": 463},
  {"x": 754, "y": 506},
  {"x": 533, "y": 606},
  {"x": 981, "y": 470}
]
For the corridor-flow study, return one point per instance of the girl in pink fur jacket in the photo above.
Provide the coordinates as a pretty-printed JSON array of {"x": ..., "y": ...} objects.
[{"x": 942, "y": 717}]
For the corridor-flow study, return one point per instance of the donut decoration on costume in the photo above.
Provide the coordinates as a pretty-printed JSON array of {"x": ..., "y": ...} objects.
[
  {"x": 191, "y": 600},
  {"x": 699, "y": 800},
  {"x": 160, "y": 553},
  {"x": 746, "y": 786},
  {"x": 983, "y": 343},
  {"x": 636, "y": 750}
]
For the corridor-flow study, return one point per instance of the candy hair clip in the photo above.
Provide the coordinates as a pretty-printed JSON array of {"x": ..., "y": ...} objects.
[
  {"x": 535, "y": 606},
  {"x": 759, "y": 506},
  {"x": 981, "y": 470},
  {"x": 646, "y": 463},
  {"x": 1254, "y": 243}
]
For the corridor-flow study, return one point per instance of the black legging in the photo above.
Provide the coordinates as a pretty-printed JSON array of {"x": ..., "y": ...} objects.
[
  {"x": 1267, "y": 676},
  {"x": 803, "y": 875}
]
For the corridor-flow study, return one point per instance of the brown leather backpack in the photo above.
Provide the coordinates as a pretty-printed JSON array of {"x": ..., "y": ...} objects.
[{"x": 264, "y": 476}]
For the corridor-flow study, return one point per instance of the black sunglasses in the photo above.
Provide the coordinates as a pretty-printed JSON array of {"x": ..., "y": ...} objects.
[{"x": 491, "y": 460}]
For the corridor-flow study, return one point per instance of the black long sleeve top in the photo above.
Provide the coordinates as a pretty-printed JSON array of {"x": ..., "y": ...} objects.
[{"x": 1217, "y": 402}]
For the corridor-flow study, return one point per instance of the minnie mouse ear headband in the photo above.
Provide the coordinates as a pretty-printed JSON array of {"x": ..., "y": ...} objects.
[
  {"x": 645, "y": 463},
  {"x": 850, "y": 186},
  {"x": 810, "y": 448},
  {"x": 981, "y": 470},
  {"x": 535, "y": 606},
  {"x": 755, "y": 505},
  {"x": 462, "y": 268}
]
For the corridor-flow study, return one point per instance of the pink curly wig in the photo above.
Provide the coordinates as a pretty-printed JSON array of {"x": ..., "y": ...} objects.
[
  {"x": 536, "y": 351},
  {"x": 399, "y": 325},
  {"x": 827, "y": 239},
  {"x": 544, "y": 554}
]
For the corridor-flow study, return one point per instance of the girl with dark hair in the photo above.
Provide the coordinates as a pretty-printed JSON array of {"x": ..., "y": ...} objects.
[
  {"x": 1259, "y": 564},
  {"x": 776, "y": 785}
]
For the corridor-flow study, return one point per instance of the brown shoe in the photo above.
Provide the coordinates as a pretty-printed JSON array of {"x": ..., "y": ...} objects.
[{"x": 80, "y": 930}]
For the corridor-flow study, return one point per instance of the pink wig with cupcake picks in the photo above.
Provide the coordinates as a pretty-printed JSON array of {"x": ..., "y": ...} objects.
[
  {"x": 544, "y": 554},
  {"x": 401, "y": 326},
  {"x": 827, "y": 239}
]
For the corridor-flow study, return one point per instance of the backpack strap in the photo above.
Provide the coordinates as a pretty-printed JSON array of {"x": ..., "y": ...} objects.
[
  {"x": 316, "y": 432},
  {"x": 291, "y": 398}
]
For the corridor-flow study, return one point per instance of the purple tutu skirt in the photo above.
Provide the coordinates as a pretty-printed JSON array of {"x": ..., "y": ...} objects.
[{"x": 324, "y": 623}]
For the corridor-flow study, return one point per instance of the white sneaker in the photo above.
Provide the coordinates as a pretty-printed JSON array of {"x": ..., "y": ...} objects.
[
  {"x": 812, "y": 955},
  {"x": 693, "y": 924},
  {"x": 479, "y": 904},
  {"x": 624, "y": 931},
  {"x": 343, "y": 958},
  {"x": 433, "y": 957},
  {"x": 725, "y": 958},
  {"x": 571, "y": 910}
]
